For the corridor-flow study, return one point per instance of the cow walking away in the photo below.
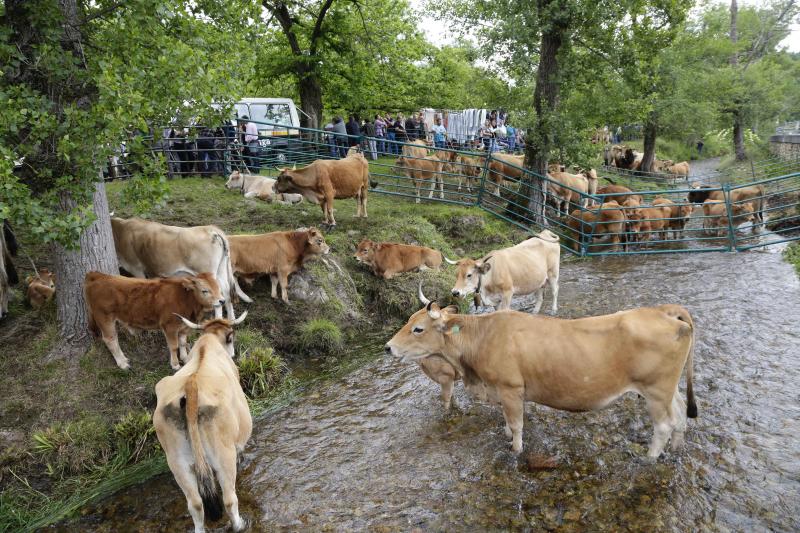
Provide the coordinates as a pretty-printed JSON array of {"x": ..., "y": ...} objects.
[
  {"x": 325, "y": 180},
  {"x": 203, "y": 423},
  {"x": 148, "y": 249},
  {"x": 278, "y": 254},
  {"x": 573, "y": 365},
  {"x": 148, "y": 304},
  {"x": 521, "y": 269},
  {"x": 387, "y": 259}
]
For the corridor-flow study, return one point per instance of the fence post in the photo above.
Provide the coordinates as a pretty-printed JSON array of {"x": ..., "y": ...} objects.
[
  {"x": 726, "y": 192},
  {"x": 484, "y": 175},
  {"x": 585, "y": 247},
  {"x": 753, "y": 170}
]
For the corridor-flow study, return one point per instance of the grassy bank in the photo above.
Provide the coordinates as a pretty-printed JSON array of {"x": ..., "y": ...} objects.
[
  {"x": 792, "y": 255},
  {"x": 74, "y": 431}
]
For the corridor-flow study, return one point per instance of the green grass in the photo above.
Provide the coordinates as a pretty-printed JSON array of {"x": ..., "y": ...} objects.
[
  {"x": 792, "y": 255},
  {"x": 91, "y": 419}
]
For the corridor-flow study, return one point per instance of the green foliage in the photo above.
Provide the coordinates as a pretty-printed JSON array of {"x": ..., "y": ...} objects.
[
  {"x": 320, "y": 335},
  {"x": 792, "y": 255},
  {"x": 261, "y": 370}
]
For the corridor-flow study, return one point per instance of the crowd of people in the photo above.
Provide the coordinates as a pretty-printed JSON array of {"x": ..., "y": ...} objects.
[{"x": 384, "y": 134}]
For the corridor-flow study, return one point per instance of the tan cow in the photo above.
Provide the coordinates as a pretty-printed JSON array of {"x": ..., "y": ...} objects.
[
  {"x": 567, "y": 189},
  {"x": 325, "y": 180},
  {"x": 148, "y": 249},
  {"x": 387, "y": 259},
  {"x": 469, "y": 168},
  {"x": 679, "y": 169},
  {"x": 753, "y": 194},
  {"x": 260, "y": 187},
  {"x": 608, "y": 219},
  {"x": 502, "y": 166},
  {"x": 521, "y": 269},
  {"x": 41, "y": 287},
  {"x": 421, "y": 171},
  {"x": 715, "y": 220},
  {"x": 657, "y": 218},
  {"x": 573, "y": 365},
  {"x": 278, "y": 254},
  {"x": 203, "y": 422},
  {"x": 415, "y": 150},
  {"x": 678, "y": 217},
  {"x": 619, "y": 194},
  {"x": 148, "y": 304}
]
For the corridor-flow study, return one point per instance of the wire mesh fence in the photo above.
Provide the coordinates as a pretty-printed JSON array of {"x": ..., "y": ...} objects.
[{"x": 595, "y": 213}]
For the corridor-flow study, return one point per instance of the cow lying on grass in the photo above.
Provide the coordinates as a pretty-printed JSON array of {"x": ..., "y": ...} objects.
[
  {"x": 278, "y": 254},
  {"x": 203, "y": 422},
  {"x": 323, "y": 180},
  {"x": 573, "y": 365},
  {"x": 263, "y": 188},
  {"x": 387, "y": 259},
  {"x": 521, "y": 269},
  {"x": 148, "y": 304}
]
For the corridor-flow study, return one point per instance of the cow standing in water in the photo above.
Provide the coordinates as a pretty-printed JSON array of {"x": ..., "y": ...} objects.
[{"x": 573, "y": 365}]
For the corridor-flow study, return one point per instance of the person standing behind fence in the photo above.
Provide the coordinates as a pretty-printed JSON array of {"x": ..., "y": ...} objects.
[
  {"x": 400, "y": 130},
  {"x": 353, "y": 132},
  {"x": 252, "y": 148},
  {"x": 380, "y": 133},
  {"x": 439, "y": 134},
  {"x": 391, "y": 135},
  {"x": 341, "y": 135},
  {"x": 331, "y": 139},
  {"x": 511, "y": 137},
  {"x": 411, "y": 129},
  {"x": 205, "y": 152},
  {"x": 370, "y": 131},
  {"x": 485, "y": 134}
]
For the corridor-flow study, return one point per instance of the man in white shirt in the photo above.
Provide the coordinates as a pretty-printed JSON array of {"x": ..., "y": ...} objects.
[
  {"x": 252, "y": 148},
  {"x": 439, "y": 134}
]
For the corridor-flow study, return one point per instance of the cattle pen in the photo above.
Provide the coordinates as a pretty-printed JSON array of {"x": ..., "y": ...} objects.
[{"x": 749, "y": 206}]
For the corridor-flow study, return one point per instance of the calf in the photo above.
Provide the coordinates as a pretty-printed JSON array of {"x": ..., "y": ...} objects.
[
  {"x": 520, "y": 269},
  {"x": 148, "y": 304},
  {"x": 678, "y": 217},
  {"x": 203, "y": 422},
  {"x": 608, "y": 219},
  {"x": 754, "y": 195},
  {"x": 715, "y": 221},
  {"x": 469, "y": 168},
  {"x": 657, "y": 218},
  {"x": 278, "y": 254},
  {"x": 421, "y": 171},
  {"x": 679, "y": 169},
  {"x": 41, "y": 287},
  {"x": 260, "y": 187},
  {"x": 387, "y": 259},
  {"x": 502, "y": 166}
]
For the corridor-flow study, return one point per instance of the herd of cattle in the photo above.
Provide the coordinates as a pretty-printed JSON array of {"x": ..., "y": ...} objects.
[
  {"x": 626, "y": 158},
  {"x": 202, "y": 420}
]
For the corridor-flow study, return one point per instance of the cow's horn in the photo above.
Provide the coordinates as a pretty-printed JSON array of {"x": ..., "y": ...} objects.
[
  {"x": 294, "y": 167},
  {"x": 188, "y": 322},
  {"x": 449, "y": 261},
  {"x": 240, "y": 319},
  {"x": 422, "y": 298},
  {"x": 487, "y": 259}
]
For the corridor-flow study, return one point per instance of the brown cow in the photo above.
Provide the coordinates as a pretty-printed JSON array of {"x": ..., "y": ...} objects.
[
  {"x": 421, "y": 171},
  {"x": 753, "y": 194},
  {"x": 679, "y": 215},
  {"x": 715, "y": 221},
  {"x": 278, "y": 254},
  {"x": 468, "y": 167},
  {"x": 679, "y": 169},
  {"x": 148, "y": 304},
  {"x": 657, "y": 218},
  {"x": 324, "y": 179},
  {"x": 387, "y": 259},
  {"x": 566, "y": 190},
  {"x": 574, "y": 365},
  {"x": 502, "y": 166},
  {"x": 608, "y": 219},
  {"x": 41, "y": 287},
  {"x": 619, "y": 194},
  {"x": 415, "y": 149},
  {"x": 203, "y": 422}
]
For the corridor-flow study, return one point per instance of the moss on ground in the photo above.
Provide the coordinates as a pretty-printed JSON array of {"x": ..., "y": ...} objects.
[{"x": 91, "y": 419}]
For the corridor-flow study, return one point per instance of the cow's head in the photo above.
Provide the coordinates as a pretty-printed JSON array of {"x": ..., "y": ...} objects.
[
  {"x": 634, "y": 222},
  {"x": 365, "y": 251},
  {"x": 235, "y": 180},
  {"x": 699, "y": 195},
  {"x": 468, "y": 275},
  {"x": 205, "y": 289},
  {"x": 47, "y": 278},
  {"x": 316, "y": 243},
  {"x": 742, "y": 213},
  {"x": 425, "y": 333},
  {"x": 221, "y": 328},
  {"x": 285, "y": 181}
]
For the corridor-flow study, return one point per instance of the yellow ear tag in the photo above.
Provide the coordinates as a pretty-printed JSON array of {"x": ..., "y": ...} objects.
[{"x": 455, "y": 329}]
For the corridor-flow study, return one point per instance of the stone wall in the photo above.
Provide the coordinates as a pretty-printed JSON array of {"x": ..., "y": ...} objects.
[{"x": 785, "y": 146}]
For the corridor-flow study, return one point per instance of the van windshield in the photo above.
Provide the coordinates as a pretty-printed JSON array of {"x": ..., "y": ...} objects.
[{"x": 272, "y": 113}]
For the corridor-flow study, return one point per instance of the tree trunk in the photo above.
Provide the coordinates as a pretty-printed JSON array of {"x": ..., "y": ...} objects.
[
  {"x": 738, "y": 130},
  {"x": 96, "y": 252},
  {"x": 650, "y": 133},
  {"x": 545, "y": 103},
  {"x": 310, "y": 99}
]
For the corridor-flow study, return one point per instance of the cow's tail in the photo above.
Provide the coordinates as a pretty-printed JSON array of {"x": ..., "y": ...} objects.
[
  {"x": 212, "y": 501},
  {"x": 691, "y": 406},
  {"x": 227, "y": 270}
]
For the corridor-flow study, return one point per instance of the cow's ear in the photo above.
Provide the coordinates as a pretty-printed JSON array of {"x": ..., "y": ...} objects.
[
  {"x": 484, "y": 268},
  {"x": 188, "y": 284}
]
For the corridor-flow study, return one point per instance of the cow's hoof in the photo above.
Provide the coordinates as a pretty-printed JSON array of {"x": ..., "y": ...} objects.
[
  {"x": 175, "y": 367},
  {"x": 124, "y": 366}
]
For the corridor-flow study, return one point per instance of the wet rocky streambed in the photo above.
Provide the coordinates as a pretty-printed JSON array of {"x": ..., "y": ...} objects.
[{"x": 374, "y": 451}]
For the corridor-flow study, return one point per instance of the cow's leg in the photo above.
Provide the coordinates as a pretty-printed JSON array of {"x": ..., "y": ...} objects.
[
  {"x": 357, "y": 214},
  {"x": 441, "y": 188},
  {"x": 172, "y": 341},
  {"x": 513, "y": 411},
  {"x": 179, "y": 459},
  {"x": 678, "y": 420},
  {"x": 539, "y": 299},
  {"x": 273, "y": 281},
  {"x": 505, "y": 303},
  {"x": 182, "y": 345},
  {"x": 284, "y": 282},
  {"x": 662, "y": 423},
  {"x": 226, "y": 474},
  {"x": 417, "y": 187},
  {"x": 329, "y": 202},
  {"x": 109, "y": 333},
  {"x": 447, "y": 391},
  {"x": 553, "y": 282},
  {"x": 364, "y": 202}
]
